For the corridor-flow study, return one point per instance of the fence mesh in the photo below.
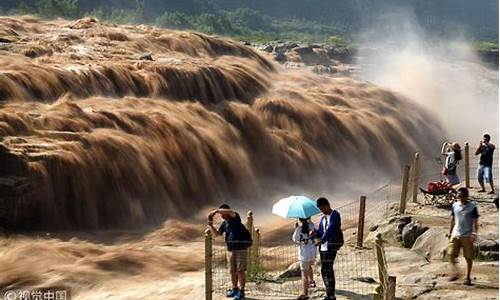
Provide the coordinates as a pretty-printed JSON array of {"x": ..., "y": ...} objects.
[
  {"x": 275, "y": 275},
  {"x": 274, "y": 272}
]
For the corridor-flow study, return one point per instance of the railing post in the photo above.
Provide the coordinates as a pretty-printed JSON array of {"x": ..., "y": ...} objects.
[
  {"x": 404, "y": 189},
  {"x": 257, "y": 244},
  {"x": 467, "y": 165},
  {"x": 249, "y": 226},
  {"x": 382, "y": 272},
  {"x": 361, "y": 220},
  {"x": 208, "y": 265},
  {"x": 416, "y": 176},
  {"x": 390, "y": 292},
  {"x": 249, "y": 222}
]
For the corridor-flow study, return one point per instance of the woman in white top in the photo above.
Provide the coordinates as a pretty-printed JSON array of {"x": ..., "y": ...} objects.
[
  {"x": 307, "y": 254},
  {"x": 453, "y": 155}
]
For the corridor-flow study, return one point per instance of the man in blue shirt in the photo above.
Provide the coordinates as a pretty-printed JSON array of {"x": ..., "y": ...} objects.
[
  {"x": 329, "y": 239},
  {"x": 238, "y": 239}
]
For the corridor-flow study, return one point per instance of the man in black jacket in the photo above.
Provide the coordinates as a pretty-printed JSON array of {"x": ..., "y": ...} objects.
[{"x": 330, "y": 239}]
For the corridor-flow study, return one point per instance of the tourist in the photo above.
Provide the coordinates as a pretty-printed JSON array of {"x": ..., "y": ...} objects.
[
  {"x": 304, "y": 237},
  {"x": 453, "y": 155},
  {"x": 484, "y": 171},
  {"x": 238, "y": 240},
  {"x": 463, "y": 232},
  {"x": 329, "y": 239}
]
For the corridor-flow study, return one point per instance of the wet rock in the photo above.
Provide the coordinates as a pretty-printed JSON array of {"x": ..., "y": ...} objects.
[
  {"x": 342, "y": 54},
  {"x": 146, "y": 56},
  {"x": 280, "y": 57},
  {"x": 284, "y": 47},
  {"x": 304, "y": 50},
  {"x": 292, "y": 271},
  {"x": 411, "y": 232},
  {"x": 83, "y": 23},
  {"x": 293, "y": 65},
  {"x": 266, "y": 48},
  {"x": 320, "y": 69},
  {"x": 36, "y": 51}
]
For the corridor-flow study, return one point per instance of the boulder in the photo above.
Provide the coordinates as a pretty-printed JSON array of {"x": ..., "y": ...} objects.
[
  {"x": 280, "y": 57},
  {"x": 488, "y": 255},
  {"x": 342, "y": 54},
  {"x": 304, "y": 50},
  {"x": 411, "y": 232},
  {"x": 373, "y": 227},
  {"x": 312, "y": 56},
  {"x": 293, "y": 65},
  {"x": 487, "y": 245},
  {"x": 320, "y": 69},
  {"x": 432, "y": 244},
  {"x": 292, "y": 271},
  {"x": 285, "y": 47},
  {"x": 266, "y": 48},
  {"x": 400, "y": 221}
]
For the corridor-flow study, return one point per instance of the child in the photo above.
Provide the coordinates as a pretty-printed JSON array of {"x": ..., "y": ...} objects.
[{"x": 307, "y": 254}]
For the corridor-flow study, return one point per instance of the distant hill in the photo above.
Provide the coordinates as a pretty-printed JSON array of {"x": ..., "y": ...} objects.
[{"x": 306, "y": 19}]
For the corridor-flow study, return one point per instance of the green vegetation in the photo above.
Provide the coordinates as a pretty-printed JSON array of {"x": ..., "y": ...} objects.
[
  {"x": 331, "y": 21},
  {"x": 486, "y": 46}
]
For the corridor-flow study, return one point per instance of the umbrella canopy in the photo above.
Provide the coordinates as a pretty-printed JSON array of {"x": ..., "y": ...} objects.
[{"x": 295, "y": 207}]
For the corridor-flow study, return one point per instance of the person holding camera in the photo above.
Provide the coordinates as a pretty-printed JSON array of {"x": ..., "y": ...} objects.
[
  {"x": 485, "y": 168},
  {"x": 453, "y": 155}
]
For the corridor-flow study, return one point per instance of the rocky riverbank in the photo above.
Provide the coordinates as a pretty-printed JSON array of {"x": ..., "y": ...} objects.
[{"x": 335, "y": 60}]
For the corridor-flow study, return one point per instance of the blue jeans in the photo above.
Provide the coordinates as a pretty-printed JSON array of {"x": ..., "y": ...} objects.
[{"x": 484, "y": 173}]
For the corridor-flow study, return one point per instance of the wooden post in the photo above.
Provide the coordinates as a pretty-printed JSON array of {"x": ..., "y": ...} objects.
[
  {"x": 382, "y": 272},
  {"x": 249, "y": 226},
  {"x": 249, "y": 222},
  {"x": 467, "y": 165},
  {"x": 416, "y": 176},
  {"x": 361, "y": 220},
  {"x": 257, "y": 244},
  {"x": 404, "y": 189},
  {"x": 390, "y": 293},
  {"x": 208, "y": 265}
]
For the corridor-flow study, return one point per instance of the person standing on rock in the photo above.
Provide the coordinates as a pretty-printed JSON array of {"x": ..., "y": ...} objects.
[
  {"x": 453, "y": 155},
  {"x": 463, "y": 232},
  {"x": 485, "y": 169},
  {"x": 304, "y": 238},
  {"x": 329, "y": 239},
  {"x": 238, "y": 240}
]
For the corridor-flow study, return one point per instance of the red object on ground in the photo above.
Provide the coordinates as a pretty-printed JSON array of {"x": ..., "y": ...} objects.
[{"x": 438, "y": 187}]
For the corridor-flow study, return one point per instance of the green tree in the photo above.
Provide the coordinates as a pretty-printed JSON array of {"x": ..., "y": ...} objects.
[
  {"x": 58, "y": 8},
  {"x": 175, "y": 20}
]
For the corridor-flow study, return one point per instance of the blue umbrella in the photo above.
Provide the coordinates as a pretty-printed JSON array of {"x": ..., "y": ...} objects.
[{"x": 295, "y": 207}]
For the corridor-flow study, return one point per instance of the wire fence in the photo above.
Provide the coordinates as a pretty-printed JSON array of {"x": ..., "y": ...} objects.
[
  {"x": 273, "y": 269},
  {"x": 276, "y": 273}
]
